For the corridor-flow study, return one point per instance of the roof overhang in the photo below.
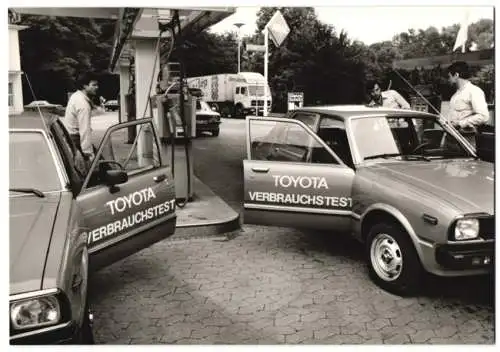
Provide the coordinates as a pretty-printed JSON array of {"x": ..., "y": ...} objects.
[
  {"x": 144, "y": 23},
  {"x": 136, "y": 23}
]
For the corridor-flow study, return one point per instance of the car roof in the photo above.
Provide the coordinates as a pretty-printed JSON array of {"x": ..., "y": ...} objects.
[
  {"x": 345, "y": 112},
  {"x": 30, "y": 120}
]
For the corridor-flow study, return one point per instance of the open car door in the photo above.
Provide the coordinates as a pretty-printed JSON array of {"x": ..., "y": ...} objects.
[
  {"x": 292, "y": 178},
  {"x": 128, "y": 197}
]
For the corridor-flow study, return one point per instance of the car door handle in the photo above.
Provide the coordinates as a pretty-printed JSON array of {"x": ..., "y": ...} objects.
[
  {"x": 260, "y": 169},
  {"x": 159, "y": 178}
]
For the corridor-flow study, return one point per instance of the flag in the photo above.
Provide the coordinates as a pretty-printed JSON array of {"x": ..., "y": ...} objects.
[
  {"x": 462, "y": 33},
  {"x": 278, "y": 28}
]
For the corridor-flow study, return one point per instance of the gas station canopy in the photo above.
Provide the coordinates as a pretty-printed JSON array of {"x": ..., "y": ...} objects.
[{"x": 136, "y": 23}]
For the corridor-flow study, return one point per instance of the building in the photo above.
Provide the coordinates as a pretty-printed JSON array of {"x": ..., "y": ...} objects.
[{"x": 15, "y": 74}]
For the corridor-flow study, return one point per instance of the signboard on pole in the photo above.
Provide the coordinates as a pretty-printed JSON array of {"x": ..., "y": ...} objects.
[
  {"x": 278, "y": 28},
  {"x": 253, "y": 47},
  {"x": 295, "y": 100}
]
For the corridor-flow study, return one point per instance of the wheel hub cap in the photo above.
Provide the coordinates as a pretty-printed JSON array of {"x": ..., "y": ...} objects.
[{"x": 386, "y": 257}]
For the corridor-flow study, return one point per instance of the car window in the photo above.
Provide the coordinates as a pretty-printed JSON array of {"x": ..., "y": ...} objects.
[
  {"x": 237, "y": 90},
  {"x": 73, "y": 160},
  {"x": 286, "y": 141},
  {"x": 31, "y": 164},
  {"x": 243, "y": 90},
  {"x": 332, "y": 131},
  {"x": 308, "y": 119},
  {"x": 406, "y": 136},
  {"x": 128, "y": 155},
  {"x": 198, "y": 105}
]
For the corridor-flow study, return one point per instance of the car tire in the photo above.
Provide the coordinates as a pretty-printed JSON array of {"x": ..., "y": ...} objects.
[
  {"x": 238, "y": 111},
  {"x": 225, "y": 111},
  {"x": 215, "y": 133},
  {"x": 393, "y": 262},
  {"x": 86, "y": 332}
]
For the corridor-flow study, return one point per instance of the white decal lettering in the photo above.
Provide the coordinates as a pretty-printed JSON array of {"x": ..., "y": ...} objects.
[
  {"x": 301, "y": 199},
  {"x": 110, "y": 205},
  {"x": 304, "y": 182},
  {"x": 119, "y": 208},
  {"x": 286, "y": 183}
]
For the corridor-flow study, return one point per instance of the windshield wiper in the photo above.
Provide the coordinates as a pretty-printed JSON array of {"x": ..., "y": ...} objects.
[
  {"x": 416, "y": 156},
  {"x": 28, "y": 190},
  {"x": 382, "y": 156}
]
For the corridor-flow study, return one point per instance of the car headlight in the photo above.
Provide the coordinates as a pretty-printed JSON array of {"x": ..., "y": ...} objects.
[
  {"x": 35, "y": 312},
  {"x": 466, "y": 229}
]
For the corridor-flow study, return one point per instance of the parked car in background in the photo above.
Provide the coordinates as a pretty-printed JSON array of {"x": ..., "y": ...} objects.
[
  {"x": 44, "y": 105},
  {"x": 111, "y": 105},
  {"x": 207, "y": 120}
]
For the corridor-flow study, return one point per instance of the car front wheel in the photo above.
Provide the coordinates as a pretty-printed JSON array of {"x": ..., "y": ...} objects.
[
  {"x": 215, "y": 133},
  {"x": 393, "y": 261},
  {"x": 86, "y": 333}
]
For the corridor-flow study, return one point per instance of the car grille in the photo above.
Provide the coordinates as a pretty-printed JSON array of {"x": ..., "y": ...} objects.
[
  {"x": 487, "y": 228},
  {"x": 259, "y": 102},
  {"x": 209, "y": 118}
]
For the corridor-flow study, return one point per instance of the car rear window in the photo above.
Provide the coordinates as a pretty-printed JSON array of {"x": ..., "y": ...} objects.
[{"x": 31, "y": 164}]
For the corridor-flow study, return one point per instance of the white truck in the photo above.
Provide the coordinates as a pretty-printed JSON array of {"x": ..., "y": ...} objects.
[{"x": 234, "y": 94}]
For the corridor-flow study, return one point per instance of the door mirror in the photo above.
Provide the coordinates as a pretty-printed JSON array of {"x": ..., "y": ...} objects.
[
  {"x": 110, "y": 175},
  {"x": 115, "y": 177},
  {"x": 485, "y": 143}
]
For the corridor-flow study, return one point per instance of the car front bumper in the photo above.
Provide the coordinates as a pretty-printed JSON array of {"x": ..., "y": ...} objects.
[
  {"x": 65, "y": 333},
  {"x": 256, "y": 110},
  {"x": 206, "y": 127},
  {"x": 464, "y": 256}
]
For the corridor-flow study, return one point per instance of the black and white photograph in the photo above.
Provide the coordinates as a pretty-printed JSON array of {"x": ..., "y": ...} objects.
[{"x": 251, "y": 175}]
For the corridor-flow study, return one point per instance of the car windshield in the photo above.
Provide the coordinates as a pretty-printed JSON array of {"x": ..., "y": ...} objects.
[
  {"x": 256, "y": 90},
  {"x": 30, "y": 162},
  {"x": 390, "y": 136},
  {"x": 202, "y": 105}
]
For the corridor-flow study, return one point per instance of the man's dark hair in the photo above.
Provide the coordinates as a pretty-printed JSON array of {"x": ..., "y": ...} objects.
[
  {"x": 85, "y": 79},
  {"x": 371, "y": 84},
  {"x": 460, "y": 67}
]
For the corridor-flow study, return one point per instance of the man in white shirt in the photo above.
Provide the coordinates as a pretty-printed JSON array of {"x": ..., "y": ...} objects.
[
  {"x": 77, "y": 118},
  {"x": 468, "y": 107},
  {"x": 388, "y": 98}
]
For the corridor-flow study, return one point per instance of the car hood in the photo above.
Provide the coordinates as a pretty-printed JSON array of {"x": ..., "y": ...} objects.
[
  {"x": 466, "y": 184},
  {"x": 207, "y": 113},
  {"x": 31, "y": 221}
]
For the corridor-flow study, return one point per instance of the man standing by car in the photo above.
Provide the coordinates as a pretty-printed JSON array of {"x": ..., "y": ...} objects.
[
  {"x": 78, "y": 114},
  {"x": 388, "y": 98},
  {"x": 468, "y": 107}
]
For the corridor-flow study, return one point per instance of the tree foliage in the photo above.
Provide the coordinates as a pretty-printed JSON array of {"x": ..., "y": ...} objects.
[
  {"x": 315, "y": 58},
  {"x": 54, "y": 50}
]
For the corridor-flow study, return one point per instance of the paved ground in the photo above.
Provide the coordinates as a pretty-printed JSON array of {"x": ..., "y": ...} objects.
[{"x": 266, "y": 285}]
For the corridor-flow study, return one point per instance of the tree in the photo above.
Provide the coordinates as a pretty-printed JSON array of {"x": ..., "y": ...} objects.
[
  {"x": 482, "y": 33},
  {"x": 327, "y": 66},
  {"x": 55, "y": 49},
  {"x": 206, "y": 54}
]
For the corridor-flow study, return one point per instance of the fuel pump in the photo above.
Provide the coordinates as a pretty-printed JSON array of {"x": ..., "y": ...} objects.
[{"x": 176, "y": 116}]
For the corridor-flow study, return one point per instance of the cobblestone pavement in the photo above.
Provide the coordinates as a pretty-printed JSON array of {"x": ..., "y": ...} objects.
[{"x": 276, "y": 286}]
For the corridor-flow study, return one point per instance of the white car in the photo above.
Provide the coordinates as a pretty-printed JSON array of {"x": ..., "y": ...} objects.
[{"x": 42, "y": 103}]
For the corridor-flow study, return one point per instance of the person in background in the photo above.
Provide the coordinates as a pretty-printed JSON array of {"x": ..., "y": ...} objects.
[
  {"x": 468, "y": 107},
  {"x": 77, "y": 118},
  {"x": 388, "y": 98}
]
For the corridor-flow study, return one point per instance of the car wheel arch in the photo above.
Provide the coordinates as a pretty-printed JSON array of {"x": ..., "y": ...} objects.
[{"x": 378, "y": 213}]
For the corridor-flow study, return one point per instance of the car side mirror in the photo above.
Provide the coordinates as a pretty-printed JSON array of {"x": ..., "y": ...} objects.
[
  {"x": 485, "y": 144},
  {"x": 112, "y": 176}
]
